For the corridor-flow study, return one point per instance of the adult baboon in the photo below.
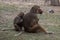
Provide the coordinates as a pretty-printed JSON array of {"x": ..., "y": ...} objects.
[
  {"x": 18, "y": 21},
  {"x": 31, "y": 21}
]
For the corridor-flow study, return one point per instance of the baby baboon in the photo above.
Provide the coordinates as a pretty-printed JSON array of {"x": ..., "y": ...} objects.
[
  {"x": 31, "y": 20},
  {"x": 18, "y": 21}
]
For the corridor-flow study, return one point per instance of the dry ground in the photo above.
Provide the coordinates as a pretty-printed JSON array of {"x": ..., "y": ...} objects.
[{"x": 50, "y": 22}]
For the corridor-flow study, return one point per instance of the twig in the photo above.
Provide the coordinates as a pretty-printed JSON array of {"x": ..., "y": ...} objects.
[
  {"x": 4, "y": 29},
  {"x": 19, "y": 33}
]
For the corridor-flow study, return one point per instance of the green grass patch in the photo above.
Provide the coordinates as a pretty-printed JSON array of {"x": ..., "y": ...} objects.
[{"x": 6, "y": 7}]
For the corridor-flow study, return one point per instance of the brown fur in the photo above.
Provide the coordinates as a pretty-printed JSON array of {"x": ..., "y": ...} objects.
[
  {"x": 31, "y": 20},
  {"x": 18, "y": 21}
]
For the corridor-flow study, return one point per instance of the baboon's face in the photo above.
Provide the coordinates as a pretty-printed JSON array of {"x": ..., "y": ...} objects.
[
  {"x": 39, "y": 11},
  {"x": 36, "y": 9}
]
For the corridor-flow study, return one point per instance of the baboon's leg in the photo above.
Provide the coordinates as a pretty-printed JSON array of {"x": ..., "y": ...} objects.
[
  {"x": 43, "y": 30},
  {"x": 34, "y": 29},
  {"x": 17, "y": 28},
  {"x": 38, "y": 28}
]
